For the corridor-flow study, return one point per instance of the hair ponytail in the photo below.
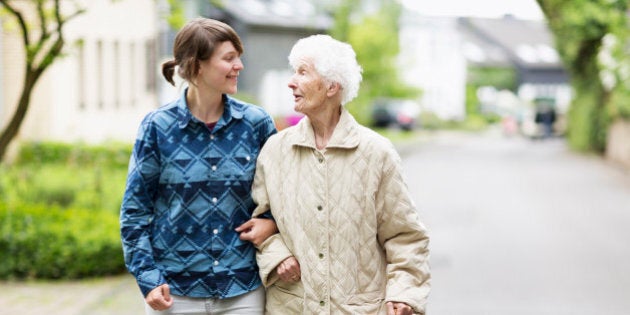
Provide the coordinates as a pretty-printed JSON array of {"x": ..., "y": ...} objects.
[{"x": 168, "y": 70}]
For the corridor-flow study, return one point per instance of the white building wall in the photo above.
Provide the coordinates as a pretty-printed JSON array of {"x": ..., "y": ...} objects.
[
  {"x": 92, "y": 94},
  {"x": 431, "y": 58}
]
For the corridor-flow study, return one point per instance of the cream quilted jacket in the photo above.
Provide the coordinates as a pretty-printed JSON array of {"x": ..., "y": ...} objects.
[{"x": 346, "y": 215}]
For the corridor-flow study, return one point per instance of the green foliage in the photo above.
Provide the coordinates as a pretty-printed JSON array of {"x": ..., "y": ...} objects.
[
  {"x": 176, "y": 17},
  {"x": 59, "y": 208},
  {"x": 580, "y": 28},
  {"x": 64, "y": 185},
  {"x": 587, "y": 126},
  {"x": 374, "y": 38},
  {"x": 498, "y": 77},
  {"x": 38, "y": 241},
  {"x": 620, "y": 103},
  {"x": 108, "y": 154}
]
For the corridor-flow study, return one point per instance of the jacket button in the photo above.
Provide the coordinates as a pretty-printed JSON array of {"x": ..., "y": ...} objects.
[
  {"x": 321, "y": 255},
  {"x": 319, "y": 208},
  {"x": 322, "y": 303},
  {"x": 321, "y": 160}
]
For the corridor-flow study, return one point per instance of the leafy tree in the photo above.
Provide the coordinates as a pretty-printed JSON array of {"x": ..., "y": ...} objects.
[
  {"x": 43, "y": 43},
  {"x": 582, "y": 28},
  {"x": 374, "y": 37}
]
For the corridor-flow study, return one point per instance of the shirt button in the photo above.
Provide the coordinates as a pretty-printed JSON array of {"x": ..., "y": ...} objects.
[
  {"x": 214, "y": 200},
  {"x": 216, "y": 262},
  {"x": 247, "y": 158},
  {"x": 214, "y": 167},
  {"x": 321, "y": 255},
  {"x": 322, "y": 303},
  {"x": 215, "y": 231},
  {"x": 319, "y": 208},
  {"x": 211, "y": 137},
  {"x": 321, "y": 160}
]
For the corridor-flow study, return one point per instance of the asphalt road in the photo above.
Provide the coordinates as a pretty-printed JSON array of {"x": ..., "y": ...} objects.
[
  {"x": 517, "y": 227},
  {"x": 522, "y": 227}
]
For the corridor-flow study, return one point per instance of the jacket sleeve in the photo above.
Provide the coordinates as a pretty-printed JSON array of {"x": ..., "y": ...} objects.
[
  {"x": 403, "y": 237},
  {"x": 273, "y": 250},
  {"x": 136, "y": 212}
]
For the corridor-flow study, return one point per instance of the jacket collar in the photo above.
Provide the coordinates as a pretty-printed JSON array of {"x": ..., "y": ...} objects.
[
  {"x": 233, "y": 109},
  {"x": 345, "y": 136}
]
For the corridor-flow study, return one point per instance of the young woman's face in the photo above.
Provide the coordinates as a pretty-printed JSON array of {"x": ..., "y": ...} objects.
[{"x": 220, "y": 72}]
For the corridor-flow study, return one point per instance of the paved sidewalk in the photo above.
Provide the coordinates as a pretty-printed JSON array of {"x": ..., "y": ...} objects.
[{"x": 117, "y": 295}]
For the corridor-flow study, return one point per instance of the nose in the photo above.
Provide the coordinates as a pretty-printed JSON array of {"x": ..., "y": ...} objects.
[
  {"x": 292, "y": 85},
  {"x": 238, "y": 64}
]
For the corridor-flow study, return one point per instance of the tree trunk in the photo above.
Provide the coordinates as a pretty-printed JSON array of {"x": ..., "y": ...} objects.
[{"x": 13, "y": 127}]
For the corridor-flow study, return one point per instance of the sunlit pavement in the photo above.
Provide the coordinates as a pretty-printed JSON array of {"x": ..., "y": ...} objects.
[
  {"x": 112, "y": 296},
  {"x": 517, "y": 227},
  {"x": 522, "y": 227}
]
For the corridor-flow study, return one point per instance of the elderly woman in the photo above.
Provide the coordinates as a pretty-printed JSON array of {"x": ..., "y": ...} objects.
[{"x": 350, "y": 238}]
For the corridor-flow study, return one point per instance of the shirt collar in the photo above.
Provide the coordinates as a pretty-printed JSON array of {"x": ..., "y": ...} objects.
[
  {"x": 345, "y": 135},
  {"x": 233, "y": 109}
]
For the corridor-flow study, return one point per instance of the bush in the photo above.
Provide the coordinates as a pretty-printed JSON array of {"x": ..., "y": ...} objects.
[
  {"x": 59, "y": 208},
  {"x": 38, "y": 241},
  {"x": 65, "y": 175},
  {"x": 106, "y": 155}
]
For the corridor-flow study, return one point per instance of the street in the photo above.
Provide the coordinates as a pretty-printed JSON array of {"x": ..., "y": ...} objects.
[
  {"x": 517, "y": 227},
  {"x": 522, "y": 227}
]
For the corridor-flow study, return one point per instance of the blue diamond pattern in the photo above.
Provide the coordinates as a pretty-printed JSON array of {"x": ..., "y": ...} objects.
[{"x": 184, "y": 182}]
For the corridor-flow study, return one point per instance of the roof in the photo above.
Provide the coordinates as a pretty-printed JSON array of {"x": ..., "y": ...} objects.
[
  {"x": 523, "y": 43},
  {"x": 279, "y": 13}
]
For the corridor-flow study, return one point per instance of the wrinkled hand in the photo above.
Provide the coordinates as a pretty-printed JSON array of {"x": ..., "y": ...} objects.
[
  {"x": 289, "y": 270},
  {"x": 159, "y": 298},
  {"x": 398, "y": 308},
  {"x": 257, "y": 230}
]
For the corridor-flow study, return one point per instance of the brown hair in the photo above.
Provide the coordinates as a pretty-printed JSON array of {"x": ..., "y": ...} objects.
[{"x": 196, "y": 42}]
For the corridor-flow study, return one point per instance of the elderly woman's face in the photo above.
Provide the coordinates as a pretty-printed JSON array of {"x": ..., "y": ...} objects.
[{"x": 309, "y": 88}]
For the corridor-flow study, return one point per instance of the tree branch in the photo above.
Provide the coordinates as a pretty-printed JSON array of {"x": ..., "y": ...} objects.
[{"x": 20, "y": 18}]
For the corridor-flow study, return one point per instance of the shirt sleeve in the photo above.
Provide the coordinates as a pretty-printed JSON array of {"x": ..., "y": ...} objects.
[
  {"x": 403, "y": 237},
  {"x": 137, "y": 210}
]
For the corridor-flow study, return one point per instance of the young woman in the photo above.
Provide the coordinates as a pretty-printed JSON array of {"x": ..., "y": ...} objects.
[{"x": 189, "y": 182}]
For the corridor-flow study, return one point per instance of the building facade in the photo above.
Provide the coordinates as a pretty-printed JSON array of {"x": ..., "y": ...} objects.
[{"x": 101, "y": 87}]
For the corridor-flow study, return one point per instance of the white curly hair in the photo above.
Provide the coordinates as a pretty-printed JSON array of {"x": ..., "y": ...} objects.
[{"x": 334, "y": 60}]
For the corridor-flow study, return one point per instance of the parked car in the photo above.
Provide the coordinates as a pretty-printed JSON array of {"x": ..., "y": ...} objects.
[{"x": 398, "y": 113}]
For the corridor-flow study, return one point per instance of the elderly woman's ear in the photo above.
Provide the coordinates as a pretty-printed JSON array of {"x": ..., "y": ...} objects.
[{"x": 333, "y": 89}]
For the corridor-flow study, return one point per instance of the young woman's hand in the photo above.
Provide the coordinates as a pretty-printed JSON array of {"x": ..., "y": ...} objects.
[
  {"x": 257, "y": 230},
  {"x": 160, "y": 298}
]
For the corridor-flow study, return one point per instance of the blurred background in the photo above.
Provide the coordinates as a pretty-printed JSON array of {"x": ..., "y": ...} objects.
[{"x": 512, "y": 118}]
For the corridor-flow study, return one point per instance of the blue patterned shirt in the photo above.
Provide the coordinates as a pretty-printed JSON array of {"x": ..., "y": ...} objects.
[{"x": 188, "y": 188}]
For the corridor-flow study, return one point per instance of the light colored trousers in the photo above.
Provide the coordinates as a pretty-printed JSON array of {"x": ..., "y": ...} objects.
[{"x": 252, "y": 303}]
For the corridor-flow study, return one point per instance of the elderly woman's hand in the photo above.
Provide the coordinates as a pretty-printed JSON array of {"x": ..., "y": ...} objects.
[
  {"x": 398, "y": 308},
  {"x": 289, "y": 270}
]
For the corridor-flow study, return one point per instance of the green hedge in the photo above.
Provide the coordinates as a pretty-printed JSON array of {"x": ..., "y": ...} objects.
[
  {"x": 38, "y": 241},
  {"x": 106, "y": 155}
]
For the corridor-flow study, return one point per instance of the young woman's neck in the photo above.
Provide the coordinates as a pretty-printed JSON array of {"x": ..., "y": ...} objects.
[{"x": 204, "y": 104}]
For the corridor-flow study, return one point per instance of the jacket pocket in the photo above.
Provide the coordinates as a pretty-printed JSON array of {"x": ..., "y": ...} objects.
[
  {"x": 285, "y": 298},
  {"x": 366, "y": 303}
]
